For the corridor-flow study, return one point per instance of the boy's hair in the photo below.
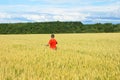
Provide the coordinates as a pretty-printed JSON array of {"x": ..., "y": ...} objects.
[{"x": 52, "y": 35}]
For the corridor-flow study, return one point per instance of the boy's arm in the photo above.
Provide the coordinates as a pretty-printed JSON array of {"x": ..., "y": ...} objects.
[
  {"x": 56, "y": 42},
  {"x": 47, "y": 45}
]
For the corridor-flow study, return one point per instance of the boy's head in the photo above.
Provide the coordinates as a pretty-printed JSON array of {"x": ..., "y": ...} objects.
[{"x": 52, "y": 35}]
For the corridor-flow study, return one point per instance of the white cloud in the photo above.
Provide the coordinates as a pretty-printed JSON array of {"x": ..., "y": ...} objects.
[
  {"x": 34, "y": 17},
  {"x": 5, "y": 15},
  {"x": 71, "y": 17},
  {"x": 49, "y": 12},
  {"x": 55, "y": 17}
]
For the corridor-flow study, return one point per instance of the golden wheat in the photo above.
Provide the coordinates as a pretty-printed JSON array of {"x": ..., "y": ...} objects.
[{"x": 79, "y": 57}]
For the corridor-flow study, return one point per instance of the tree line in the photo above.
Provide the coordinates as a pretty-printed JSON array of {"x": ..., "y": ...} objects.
[{"x": 57, "y": 27}]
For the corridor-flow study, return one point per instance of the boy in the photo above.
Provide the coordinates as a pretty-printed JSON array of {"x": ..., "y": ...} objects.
[{"x": 52, "y": 42}]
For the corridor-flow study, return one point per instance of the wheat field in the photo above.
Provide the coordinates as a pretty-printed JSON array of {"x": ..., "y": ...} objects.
[{"x": 82, "y": 56}]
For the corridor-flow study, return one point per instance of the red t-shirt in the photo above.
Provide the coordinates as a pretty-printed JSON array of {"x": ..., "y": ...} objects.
[{"x": 52, "y": 43}]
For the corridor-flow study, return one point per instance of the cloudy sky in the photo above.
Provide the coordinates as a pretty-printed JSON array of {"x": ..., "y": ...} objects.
[{"x": 86, "y": 11}]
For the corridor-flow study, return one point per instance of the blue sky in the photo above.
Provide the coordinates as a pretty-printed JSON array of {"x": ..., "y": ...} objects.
[{"x": 86, "y": 11}]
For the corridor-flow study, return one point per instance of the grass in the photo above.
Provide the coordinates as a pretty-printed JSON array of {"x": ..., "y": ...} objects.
[{"x": 79, "y": 57}]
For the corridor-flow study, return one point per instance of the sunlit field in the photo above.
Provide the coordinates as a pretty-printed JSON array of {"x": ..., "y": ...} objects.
[{"x": 78, "y": 57}]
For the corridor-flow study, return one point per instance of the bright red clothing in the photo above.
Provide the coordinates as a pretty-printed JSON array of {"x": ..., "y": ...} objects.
[{"x": 52, "y": 43}]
